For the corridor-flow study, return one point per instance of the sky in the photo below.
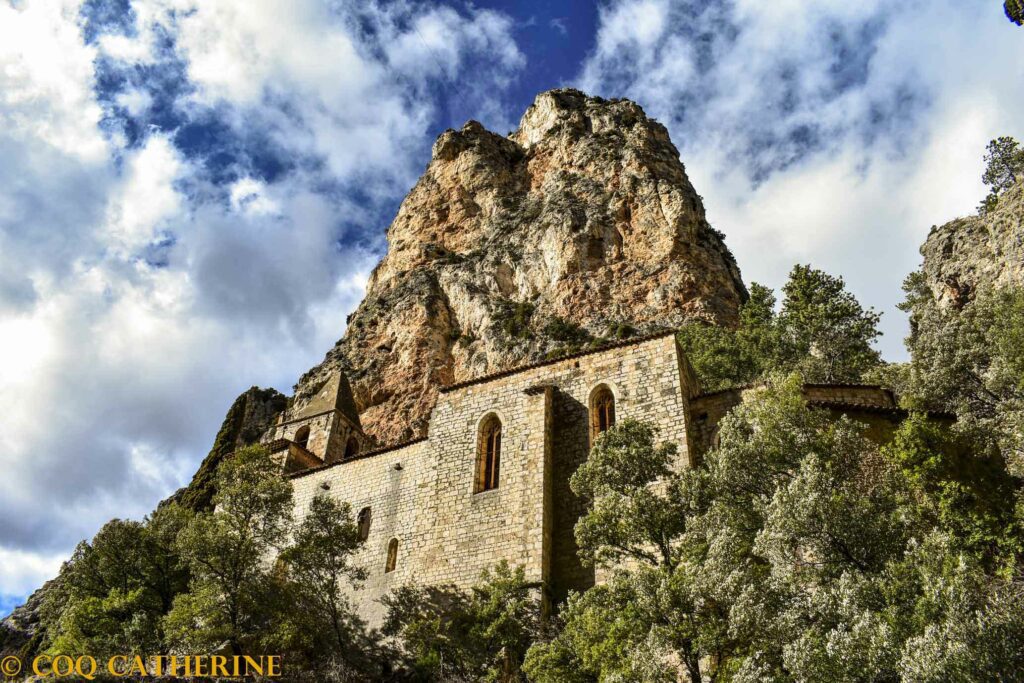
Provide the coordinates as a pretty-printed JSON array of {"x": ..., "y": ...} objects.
[{"x": 192, "y": 194}]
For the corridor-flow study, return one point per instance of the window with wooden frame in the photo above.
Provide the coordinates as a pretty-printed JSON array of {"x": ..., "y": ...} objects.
[
  {"x": 389, "y": 565},
  {"x": 602, "y": 411},
  {"x": 488, "y": 467}
]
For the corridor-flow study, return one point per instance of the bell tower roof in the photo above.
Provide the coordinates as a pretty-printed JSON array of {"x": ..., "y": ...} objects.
[{"x": 335, "y": 394}]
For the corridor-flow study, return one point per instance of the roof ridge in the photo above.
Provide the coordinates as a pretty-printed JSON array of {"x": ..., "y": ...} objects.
[{"x": 551, "y": 361}]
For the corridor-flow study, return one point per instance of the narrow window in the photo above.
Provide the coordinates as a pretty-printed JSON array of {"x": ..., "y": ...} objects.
[
  {"x": 363, "y": 520},
  {"x": 602, "y": 411},
  {"x": 392, "y": 556},
  {"x": 351, "y": 448},
  {"x": 489, "y": 454},
  {"x": 302, "y": 436}
]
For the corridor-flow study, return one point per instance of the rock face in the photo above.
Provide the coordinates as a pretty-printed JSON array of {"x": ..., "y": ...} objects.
[
  {"x": 249, "y": 416},
  {"x": 580, "y": 225},
  {"x": 19, "y": 631},
  {"x": 970, "y": 252}
]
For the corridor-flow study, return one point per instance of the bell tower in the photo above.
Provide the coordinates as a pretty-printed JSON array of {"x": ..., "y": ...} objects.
[{"x": 320, "y": 429}]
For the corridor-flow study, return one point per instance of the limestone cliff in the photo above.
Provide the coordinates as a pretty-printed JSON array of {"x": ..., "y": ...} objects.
[
  {"x": 249, "y": 416},
  {"x": 970, "y": 252},
  {"x": 578, "y": 226}
]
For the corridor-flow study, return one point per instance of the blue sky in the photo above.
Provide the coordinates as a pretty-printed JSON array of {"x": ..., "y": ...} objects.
[{"x": 192, "y": 194}]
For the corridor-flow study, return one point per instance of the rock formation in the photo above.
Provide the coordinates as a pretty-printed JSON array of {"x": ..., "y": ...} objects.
[
  {"x": 578, "y": 226},
  {"x": 974, "y": 251},
  {"x": 250, "y": 415}
]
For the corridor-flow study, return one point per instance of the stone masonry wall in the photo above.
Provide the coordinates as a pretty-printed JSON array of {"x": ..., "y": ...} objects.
[
  {"x": 449, "y": 533},
  {"x": 393, "y": 485}
]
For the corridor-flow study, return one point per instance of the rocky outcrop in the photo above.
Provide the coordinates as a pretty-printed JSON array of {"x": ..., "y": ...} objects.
[
  {"x": 250, "y": 415},
  {"x": 968, "y": 253},
  {"x": 578, "y": 226},
  {"x": 20, "y": 632}
]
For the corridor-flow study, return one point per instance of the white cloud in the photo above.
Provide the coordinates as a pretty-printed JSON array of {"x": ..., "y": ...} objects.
[
  {"x": 145, "y": 198},
  {"x": 46, "y": 79},
  {"x": 22, "y": 572},
  {"x": 834, "y": 133},
  {"x": 145, "y": 281},
  {"x": 249, "y": 195}
]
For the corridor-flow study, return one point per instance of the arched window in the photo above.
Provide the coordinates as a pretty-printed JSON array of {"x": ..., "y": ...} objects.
[
  {"x": 602, "y": 411},
  {"x": 363, "y": 520},
  {"x": 488, "y": 454},
  {"x": 302, "y": 436},
  {"x": 351, "y": 448},
  {"x": 392, "y": 560}
]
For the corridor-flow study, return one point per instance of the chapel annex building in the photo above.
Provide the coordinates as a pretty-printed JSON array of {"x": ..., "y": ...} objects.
[{"x": 490, "y": 481}]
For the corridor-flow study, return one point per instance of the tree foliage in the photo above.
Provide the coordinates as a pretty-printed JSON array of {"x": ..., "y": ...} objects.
[
  {"x": 1014, "y": 10},
  {"x": 654, "y": 615},
  {"x": 1004, "y": 159},
  {"x": 801, "y": 551},
  {"x": 319, "y": 574},
  {"x": 452, "y": 635},
  {"x": 970, "y": 362},
  {"x": 821, "y": 331},
  {"x": 232, "y": 593},
  {"x": 116, "y": 589}
]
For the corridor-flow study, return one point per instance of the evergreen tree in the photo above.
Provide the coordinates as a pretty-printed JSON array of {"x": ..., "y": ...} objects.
[
  {"x": 1014, "y": 10},
  {"x": 800, "y": 551},
  {"x": 826, "y": 332},
  {"x": 653, "y": 615},
  {"x": 234, "y": 595},
  {"x": 452, "y": 635},
  {"x": 821, "y": 331},
  {"x": 117, "y": 589},
  {"x": 1004, "y": 159},
  {"x": 318, "y": 564},
  {"x": 970, "y": 362}
]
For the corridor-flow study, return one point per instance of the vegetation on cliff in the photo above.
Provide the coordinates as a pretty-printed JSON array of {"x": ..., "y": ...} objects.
[
  {"x": 821, "y": 331},
  {"x": 580, "y": 225},
  {"x": 797, "y": 551}
]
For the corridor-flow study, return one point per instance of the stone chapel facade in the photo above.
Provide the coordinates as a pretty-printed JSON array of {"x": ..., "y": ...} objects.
[{"x": 490, "y": 480}]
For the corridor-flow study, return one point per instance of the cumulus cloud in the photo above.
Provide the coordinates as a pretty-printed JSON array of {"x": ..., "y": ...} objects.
[
  {"x": 830, "y": 132},
  {"x": 191, "y": 199}
]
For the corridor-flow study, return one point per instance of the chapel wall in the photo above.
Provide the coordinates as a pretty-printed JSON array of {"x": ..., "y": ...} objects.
[{"x": 448, "y": 531}]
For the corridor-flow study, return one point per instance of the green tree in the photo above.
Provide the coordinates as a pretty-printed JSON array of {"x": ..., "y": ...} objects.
[
  {"x": 651, "y": 616},
  {"x": 724, "y": 357},
  {"x": 481, "y": 635},
  {"x": 117, "y": 588},
  {"x": 233, "y": 591},
  {"x": 828, "y": 334},
  {"x": 836, "y": 560},
  {"x": 320, "y": 573},
  {"x": 964, "y": 493},
  {"x": 821, "y": 331},
  {"x": 1004, "y": 159},
  {"x": 970, "y": 362},
  {"x": 1014, "y": 10},
  {"x": 802, "y": 515}
]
